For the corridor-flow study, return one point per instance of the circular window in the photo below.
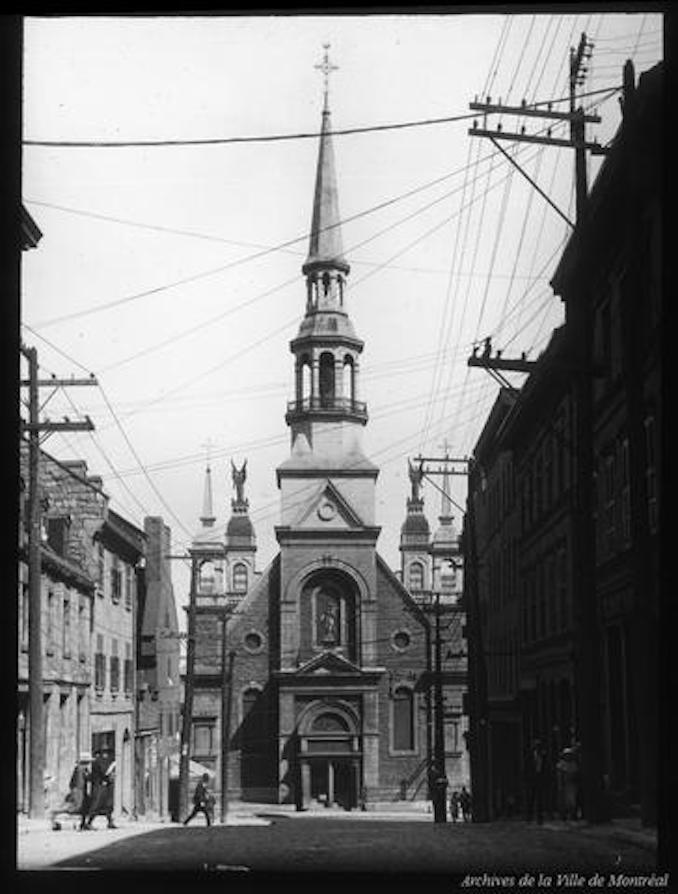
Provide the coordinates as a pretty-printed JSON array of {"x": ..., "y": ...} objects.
[
  {"x": 326, "y": 511},
  {"x": 401, "y": 640},
  {"x": 253, "y": 641}
]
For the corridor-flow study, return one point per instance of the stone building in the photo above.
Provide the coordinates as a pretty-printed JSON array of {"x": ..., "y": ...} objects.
[
  {"x": 328, "y": 654},
  {"x": 158, "y": 685},
  {"x": 524, "y": 529},
  {"x": 96, "y": 552},
  {"x": 66, "y": 597}
]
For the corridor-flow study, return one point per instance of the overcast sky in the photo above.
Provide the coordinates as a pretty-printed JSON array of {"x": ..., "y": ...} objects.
[{"x": 173, "y": 273}]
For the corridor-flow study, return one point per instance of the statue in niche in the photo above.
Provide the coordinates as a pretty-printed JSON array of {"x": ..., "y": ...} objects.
[
  {"x": 328, "y": 619},
  {"x": 239, "y": 477},
  {"x": 416, "y": 475}
]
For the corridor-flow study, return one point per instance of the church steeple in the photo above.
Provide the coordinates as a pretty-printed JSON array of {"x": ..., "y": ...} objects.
[
  {"x": 326, "y": 349},
  {"x": 325, "y": 250}
]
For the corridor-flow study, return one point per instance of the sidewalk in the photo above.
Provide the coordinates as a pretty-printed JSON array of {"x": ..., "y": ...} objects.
[{"x": 40, "y": 847}]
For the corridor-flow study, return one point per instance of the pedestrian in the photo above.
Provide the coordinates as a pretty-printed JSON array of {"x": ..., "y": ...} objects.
[
  {"x": 202, "y": 800},
  {"x": 455, "y": 806},
  {"x": 465, "y": 803},
  {"x": 77, "y": 801},
  {"x": 103, "y": 779},
  {"x": 536, "y": 775},
  {"x": 567, "y": 770}
]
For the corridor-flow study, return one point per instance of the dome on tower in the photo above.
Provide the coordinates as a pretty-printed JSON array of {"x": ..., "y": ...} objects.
[
  {"x": 239, "y": 526},
  {"x": 416, "y": 524}
]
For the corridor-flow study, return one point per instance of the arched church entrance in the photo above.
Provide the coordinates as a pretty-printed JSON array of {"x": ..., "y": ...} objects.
[{"x": 329, "y": 759}]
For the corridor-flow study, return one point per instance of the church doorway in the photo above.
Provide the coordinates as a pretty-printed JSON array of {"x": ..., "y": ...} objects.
[{"x": 334, "y": 782}]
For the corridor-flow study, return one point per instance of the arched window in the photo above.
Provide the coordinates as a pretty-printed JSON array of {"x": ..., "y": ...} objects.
[
  {"x": 403, "y": 719},
  {"x": 326, "y": 379},
  {"x": 240, "y": 578},
  {"x": 416, "y": 576},
  {"x": 207, "y": 576},
  {"x": 305, "y": 377},
  {"x": 329, "y": 723},
  {"x": 349, "y": 378}
]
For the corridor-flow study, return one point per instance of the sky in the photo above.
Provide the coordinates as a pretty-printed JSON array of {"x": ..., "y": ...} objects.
[{"x": 172, "y": 271}]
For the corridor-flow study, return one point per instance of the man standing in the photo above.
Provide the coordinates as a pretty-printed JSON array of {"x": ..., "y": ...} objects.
[
  {"x": 201, "y": 800},
  {"x": 536, "y": 775}
]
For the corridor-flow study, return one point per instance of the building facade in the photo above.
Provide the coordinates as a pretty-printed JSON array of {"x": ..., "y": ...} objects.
[
  {"x": 91, "y": 555},
  {"x": 526, "y": 586},
  {"x": 158, "y": 684},
  {"x": 320, "y": 694}
]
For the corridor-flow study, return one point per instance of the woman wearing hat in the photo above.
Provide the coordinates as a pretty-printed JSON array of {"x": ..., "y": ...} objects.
[{"x": 77, "y": 801}]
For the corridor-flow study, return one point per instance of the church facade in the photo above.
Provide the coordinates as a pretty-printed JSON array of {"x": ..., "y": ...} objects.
[{"x": 321, "y": 693}]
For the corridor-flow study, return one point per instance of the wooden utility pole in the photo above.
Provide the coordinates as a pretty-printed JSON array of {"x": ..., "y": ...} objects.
[
  {"x": 579, "y": 319},
  {"x": 36, "y": 728},
  {"x": 439, "y": 777},
  {"x": 226, "y": 708},
  {"x": 187, "y": 712},
  {"x": 34, "y": 428}
]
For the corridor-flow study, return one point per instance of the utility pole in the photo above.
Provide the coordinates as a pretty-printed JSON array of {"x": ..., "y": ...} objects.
[
  {"x": 440, "y": 777},
  {"x": 580, "y": 326},
  {"x": 576, "y": 117},
  {"x": 226, "y": 708},
  {"x": 187, "y": 712},
  {"x": 34, "y": 427},
  {"x": 431, "y": 467}
]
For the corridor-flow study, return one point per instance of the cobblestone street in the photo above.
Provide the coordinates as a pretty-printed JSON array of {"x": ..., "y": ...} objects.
[{"x": 347, "y": 843}]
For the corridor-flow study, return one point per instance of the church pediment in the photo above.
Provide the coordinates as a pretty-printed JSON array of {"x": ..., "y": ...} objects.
[
  {"x": 328, "y": 663},
  {"x": 328, "y": 509}
]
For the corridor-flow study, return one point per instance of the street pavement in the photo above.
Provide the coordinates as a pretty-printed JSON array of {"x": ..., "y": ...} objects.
[{"x": 275, "y": 839}]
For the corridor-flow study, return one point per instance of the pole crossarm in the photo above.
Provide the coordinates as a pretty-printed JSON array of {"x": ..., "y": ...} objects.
[
  {"x": 594, "y": 148},
  {"x": 66, "y": 425},
  {"x": 531, "y": 112},
  {"x": 62, "y": 383},
  {"x": 517, "y": 365}
]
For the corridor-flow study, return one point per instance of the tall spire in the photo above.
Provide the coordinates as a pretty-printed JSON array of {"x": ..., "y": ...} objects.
[
  {"x": 446, "y": 516},
  {"x": 325, "y": 245},
  {"x": 208, "y": 518}
]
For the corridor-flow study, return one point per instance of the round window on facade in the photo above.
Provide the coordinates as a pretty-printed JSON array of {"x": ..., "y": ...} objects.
[
  {"x": 253, "y": 641},
  {"x": 401, "y": 640}
]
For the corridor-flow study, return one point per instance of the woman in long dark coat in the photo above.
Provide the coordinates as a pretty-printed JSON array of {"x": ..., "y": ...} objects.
[{"x": 103, "y": 770}]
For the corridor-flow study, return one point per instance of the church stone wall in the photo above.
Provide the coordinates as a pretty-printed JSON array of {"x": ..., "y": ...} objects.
[{"x": 401, "y": 775}]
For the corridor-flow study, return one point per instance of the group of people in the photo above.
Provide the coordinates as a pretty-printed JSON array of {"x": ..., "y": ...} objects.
[
  {"x": 547, "y": 782},
  {"x": 90, "y": 791},
  {"x": 460, "y": 805}
]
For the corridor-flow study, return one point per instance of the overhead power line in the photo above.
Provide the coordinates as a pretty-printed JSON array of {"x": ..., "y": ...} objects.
[{"x": 219, "y": 141}]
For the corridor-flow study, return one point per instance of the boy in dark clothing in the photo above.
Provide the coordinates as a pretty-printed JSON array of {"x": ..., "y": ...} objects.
[{"x": 201, "y": 800}]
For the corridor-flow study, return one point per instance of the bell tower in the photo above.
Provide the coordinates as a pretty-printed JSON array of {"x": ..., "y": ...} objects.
[{"x": 327, "y": 525}]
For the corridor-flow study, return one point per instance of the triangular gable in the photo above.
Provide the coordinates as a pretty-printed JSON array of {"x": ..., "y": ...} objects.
[
  {"x": 404, "y": 593},
  {"x": 328, "y": 508},
  {"x": 328, "y": 663}
]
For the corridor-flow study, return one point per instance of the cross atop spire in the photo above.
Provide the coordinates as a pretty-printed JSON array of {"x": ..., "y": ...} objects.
[
  {"x": 208, "y": 444},
  {"x": 326, "y": 67}
]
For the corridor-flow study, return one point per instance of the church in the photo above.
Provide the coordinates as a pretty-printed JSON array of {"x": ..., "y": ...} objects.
[{"x": 321, "y": 693}]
